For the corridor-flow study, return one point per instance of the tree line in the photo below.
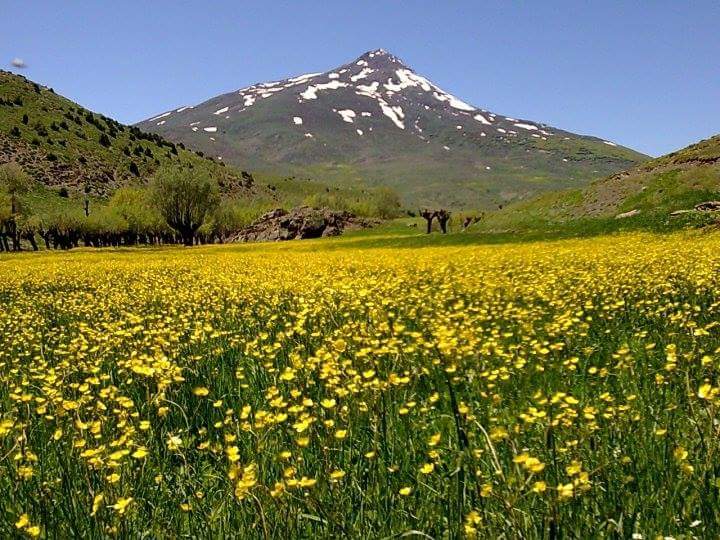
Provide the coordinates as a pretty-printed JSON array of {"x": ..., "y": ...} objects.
[{"x": 179, "y": 205}]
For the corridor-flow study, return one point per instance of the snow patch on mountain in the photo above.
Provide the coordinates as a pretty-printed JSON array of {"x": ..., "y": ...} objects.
[
  {"x": 347, "y": 115},
  {"x": 301, "y": 78},
  {"x": 362, "y": 74},
  {"x": 393, "y": 113},
  {"x": 312, "y": 90},
  {"x": 369, "y": 89},
  {"x": 453, "y": 101},
  {"x": 161, "y": 116}
]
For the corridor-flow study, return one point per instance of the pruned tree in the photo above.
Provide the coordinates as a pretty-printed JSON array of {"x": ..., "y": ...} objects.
[
  {"x": 443, "y": 216},
  {"x": 428, "y": 215},
  {"x": 470, "y": 219},
  {"x": 184, "y": 198}
]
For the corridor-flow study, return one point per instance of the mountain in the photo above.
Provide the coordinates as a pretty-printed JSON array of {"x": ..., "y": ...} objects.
[
  {"x": 62, "y": 144},
  {"x": 650, "y": 191},
  {"x": 376, "y": 121}
]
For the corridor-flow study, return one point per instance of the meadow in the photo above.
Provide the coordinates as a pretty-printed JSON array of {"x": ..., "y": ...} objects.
[{"x": 358, "y": 388}]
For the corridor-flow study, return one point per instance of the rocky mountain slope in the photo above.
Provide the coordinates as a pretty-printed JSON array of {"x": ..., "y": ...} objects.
[{"x": 375, "y": 121}]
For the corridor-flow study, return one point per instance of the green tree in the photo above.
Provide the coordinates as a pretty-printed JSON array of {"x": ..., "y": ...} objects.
[
  {"x": 135, "y": 206},
  {"x": 184, "y": 198},
  {"x": 387, "y": 203},
  {"x": 231, "y": 216},
  {"x": 15, "y": 183}
]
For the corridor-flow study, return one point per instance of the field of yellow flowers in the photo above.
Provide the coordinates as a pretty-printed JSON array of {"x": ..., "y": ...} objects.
[{"x": 544, "y": 389}]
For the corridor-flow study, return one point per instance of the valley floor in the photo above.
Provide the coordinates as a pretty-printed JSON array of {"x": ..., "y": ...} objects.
[{"x": 377, "y": 385}]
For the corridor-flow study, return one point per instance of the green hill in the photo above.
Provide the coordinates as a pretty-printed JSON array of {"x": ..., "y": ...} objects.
[
  {"x": 62, "y": 144},
  {"x": 652, "y": 191}
]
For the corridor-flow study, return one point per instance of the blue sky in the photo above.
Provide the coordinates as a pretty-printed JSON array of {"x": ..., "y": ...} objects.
[{"x": 644, "y": 74}]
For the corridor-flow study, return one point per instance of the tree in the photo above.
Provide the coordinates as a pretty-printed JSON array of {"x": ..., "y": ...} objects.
[
  {"x": 231, "y": 216},
  {"x": 428, "y": 216},
  {"x": 15, "y": 182},
  {"x": 443, "y": 216},
  {"x": 86, "y": 202},
  {"x": 387, "y": 203},
  {"x": 134, "y": 205},
  {"x": 184, "y": 198}
]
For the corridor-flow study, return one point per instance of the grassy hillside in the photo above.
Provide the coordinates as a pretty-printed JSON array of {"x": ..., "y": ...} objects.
[
  {"x": 62, "y": 144},
  {"x": 655, "y": 189}
]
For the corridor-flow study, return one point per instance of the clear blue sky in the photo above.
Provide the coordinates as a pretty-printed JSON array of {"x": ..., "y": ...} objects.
[{"x": 643, "y": 73}]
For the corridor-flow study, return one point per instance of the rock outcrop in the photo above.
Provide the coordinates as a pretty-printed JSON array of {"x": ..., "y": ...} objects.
[
  {"x": 300, "y": 223},
  {"x": 708, "y": 206},
  {"x": 703, "y": 207},
  {"x": 629, "y": 214}
]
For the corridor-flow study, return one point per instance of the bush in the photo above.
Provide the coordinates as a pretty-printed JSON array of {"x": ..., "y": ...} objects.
[
  {"x": 383, "y": 203},
  {"x": 232, "y": 216}
]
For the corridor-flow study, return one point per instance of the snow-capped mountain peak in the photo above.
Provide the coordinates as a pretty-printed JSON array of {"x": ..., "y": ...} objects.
[{"x": 377, "y": 114}]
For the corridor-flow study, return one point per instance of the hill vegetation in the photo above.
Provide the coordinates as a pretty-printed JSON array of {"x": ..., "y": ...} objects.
[
  {"x": 61, "y": 144},
  {"x": 648, "y": 193}
]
